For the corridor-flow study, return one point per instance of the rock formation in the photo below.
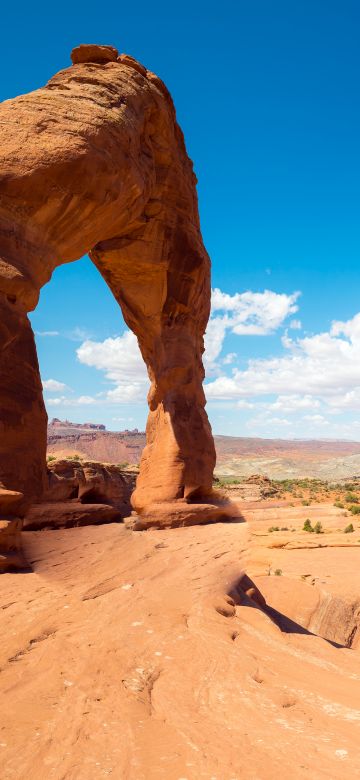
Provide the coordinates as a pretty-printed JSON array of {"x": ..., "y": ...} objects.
[
  {"x": 83, "y": 493},
  {"x": 95, "y": 162}
]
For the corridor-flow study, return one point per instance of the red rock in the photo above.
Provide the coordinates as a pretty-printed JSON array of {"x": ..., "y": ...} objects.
[
  {"x": 125, "y": 59},
  {"x": 89, "y": 52},
  {"x": 69, "y": 514},
  {"x": 89, "y": 482},
  {"x": 96, "y": 162},
  {"x": 82, "y": 494}
]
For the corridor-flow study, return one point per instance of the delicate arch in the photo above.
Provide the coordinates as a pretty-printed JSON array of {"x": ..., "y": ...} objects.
[{"x": 95, "y": 162}]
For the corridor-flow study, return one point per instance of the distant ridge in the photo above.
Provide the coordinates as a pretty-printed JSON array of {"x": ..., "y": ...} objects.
[{"x": 236, "y": 455}]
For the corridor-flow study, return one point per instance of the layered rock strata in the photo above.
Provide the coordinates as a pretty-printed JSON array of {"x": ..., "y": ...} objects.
[{"x": 86, "y": 493}]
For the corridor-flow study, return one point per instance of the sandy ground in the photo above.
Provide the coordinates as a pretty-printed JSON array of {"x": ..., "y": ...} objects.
[{"x": 122, "y": 654}]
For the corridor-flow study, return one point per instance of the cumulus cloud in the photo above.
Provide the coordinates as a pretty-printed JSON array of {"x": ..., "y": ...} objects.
[
  {"x": 245, "y": 314},
  {"x": 53, "y": 386},
  {"x": 242, "y": 404},
  {"x": 229, "y": 358},
  {"x": 325, "y": 366},
  {"x": 293, "y": 403},
  {"x": 120, "y": 359},
  {"x": 319, "y": 419},
  {"x": 82, "y": 400}
]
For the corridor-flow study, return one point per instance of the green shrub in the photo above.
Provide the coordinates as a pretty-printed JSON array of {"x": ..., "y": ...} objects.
[
  {"x": 318, "y": 529},
  {"x": 339, "y": 504},
  {"x": 308, "y": 527},
  {"x": 305, "y": 503},
  {"x": 273, "y": 528},
  {"x": 351, "y": 498},
  {"x": 355, "y": 510},
  {"x": 278, "y": 572},
  {"x": 50, "y": 458},
  {"x": 349, "y": 529}
]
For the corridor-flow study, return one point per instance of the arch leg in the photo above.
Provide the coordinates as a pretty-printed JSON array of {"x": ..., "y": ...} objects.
[
  {"x": 161, "y": 279},
  {"x": 23, "y": 423}
]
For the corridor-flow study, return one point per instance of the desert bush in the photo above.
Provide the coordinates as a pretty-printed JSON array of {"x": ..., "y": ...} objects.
[
  {"x": 50, "y": 458},
  {"x": 307, "y": 526},
  {"x": 351, "y": 498},
  {"x": 273, "y": 528},
  {"x": 278, "y": 572},
  {"x": 339, "y": 504},
  {"x": 349, "y": 529},
  {"x": 355, "y": 510},
  {"x": 305, "y": 503},
  {"x": 318, "y": 529}
]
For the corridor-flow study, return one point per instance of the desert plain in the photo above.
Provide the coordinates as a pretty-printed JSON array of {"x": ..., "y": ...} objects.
[{"x": 227, "y": 651}]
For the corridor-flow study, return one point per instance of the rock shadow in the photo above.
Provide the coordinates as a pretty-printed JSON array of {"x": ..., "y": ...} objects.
[{"x": 245, "y": 593}]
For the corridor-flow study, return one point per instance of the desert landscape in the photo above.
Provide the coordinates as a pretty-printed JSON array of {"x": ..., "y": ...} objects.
[
  {"x": 175, "y": 605},
  {"x": 235, "y": 456},
  {"x": 217, "y": 651}
]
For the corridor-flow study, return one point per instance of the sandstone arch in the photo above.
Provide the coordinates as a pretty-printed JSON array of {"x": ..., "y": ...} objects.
[{"x": 95, "y": 162}]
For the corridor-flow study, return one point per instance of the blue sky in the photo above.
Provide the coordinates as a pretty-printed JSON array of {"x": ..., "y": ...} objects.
[{"x": 267, "y": 96}]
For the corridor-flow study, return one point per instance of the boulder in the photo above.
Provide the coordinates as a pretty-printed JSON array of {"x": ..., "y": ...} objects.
[{"x": 90, "y": 52}]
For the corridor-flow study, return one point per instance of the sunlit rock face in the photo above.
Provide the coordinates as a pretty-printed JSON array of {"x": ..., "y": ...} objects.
[{"x": 95, "y": 162}]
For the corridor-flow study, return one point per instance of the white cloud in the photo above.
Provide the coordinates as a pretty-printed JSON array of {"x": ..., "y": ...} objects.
[
  {"x": 83, "y": 400},
  {"x": 248, "y": 313},
  {"x": 242, "y": 404},
  {"x": 326, "y": 365},
  {"x": 254, "y": 313},
  {"x": 229, "y": 358},
  {"x": 318, "y": 419},
  {"x": 53, "y": 386},
  {"x": 262, "y": 421},
  {"x": 120, "y": 359},
  {"x": 293, "y": 403},
  {"x": 214, "y": 339},
  {"x": 295, "y": 324}
]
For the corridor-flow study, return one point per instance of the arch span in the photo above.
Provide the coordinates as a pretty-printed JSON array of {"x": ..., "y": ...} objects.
[{"x": 95, "y": 162}]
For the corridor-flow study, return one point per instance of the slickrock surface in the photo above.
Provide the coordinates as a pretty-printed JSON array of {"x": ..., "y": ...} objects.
[
  {"x": 140, "y": 656},
  {"x": 95, "y": 162}
]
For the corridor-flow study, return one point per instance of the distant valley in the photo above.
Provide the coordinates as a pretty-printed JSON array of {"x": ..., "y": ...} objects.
[{"x": 236, "y": 456}]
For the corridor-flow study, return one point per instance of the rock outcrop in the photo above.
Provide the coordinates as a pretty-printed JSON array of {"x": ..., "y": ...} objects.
[
  {"x": 85, "y": 493},
  {"x": 253, "y": 488},
  {"x": 95, "y": 162}
]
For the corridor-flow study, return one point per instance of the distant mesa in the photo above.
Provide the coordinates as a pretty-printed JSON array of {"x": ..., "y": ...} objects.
[
  {"x": 56, "y": 423},
  {"x": 236, "y": 456}
]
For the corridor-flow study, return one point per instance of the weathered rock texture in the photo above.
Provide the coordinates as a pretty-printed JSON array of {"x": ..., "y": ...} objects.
[
  {"x": 95, "y": 162},
  {"x": 157, "y": 657},
  {"x": 84, "y": 493}
]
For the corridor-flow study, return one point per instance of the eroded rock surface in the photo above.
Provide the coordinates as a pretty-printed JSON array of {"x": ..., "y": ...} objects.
[
  {"x": 84, "y": 493},
  {"x": 154, "y": 656},
  {"x": 95, "y": 162}
]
